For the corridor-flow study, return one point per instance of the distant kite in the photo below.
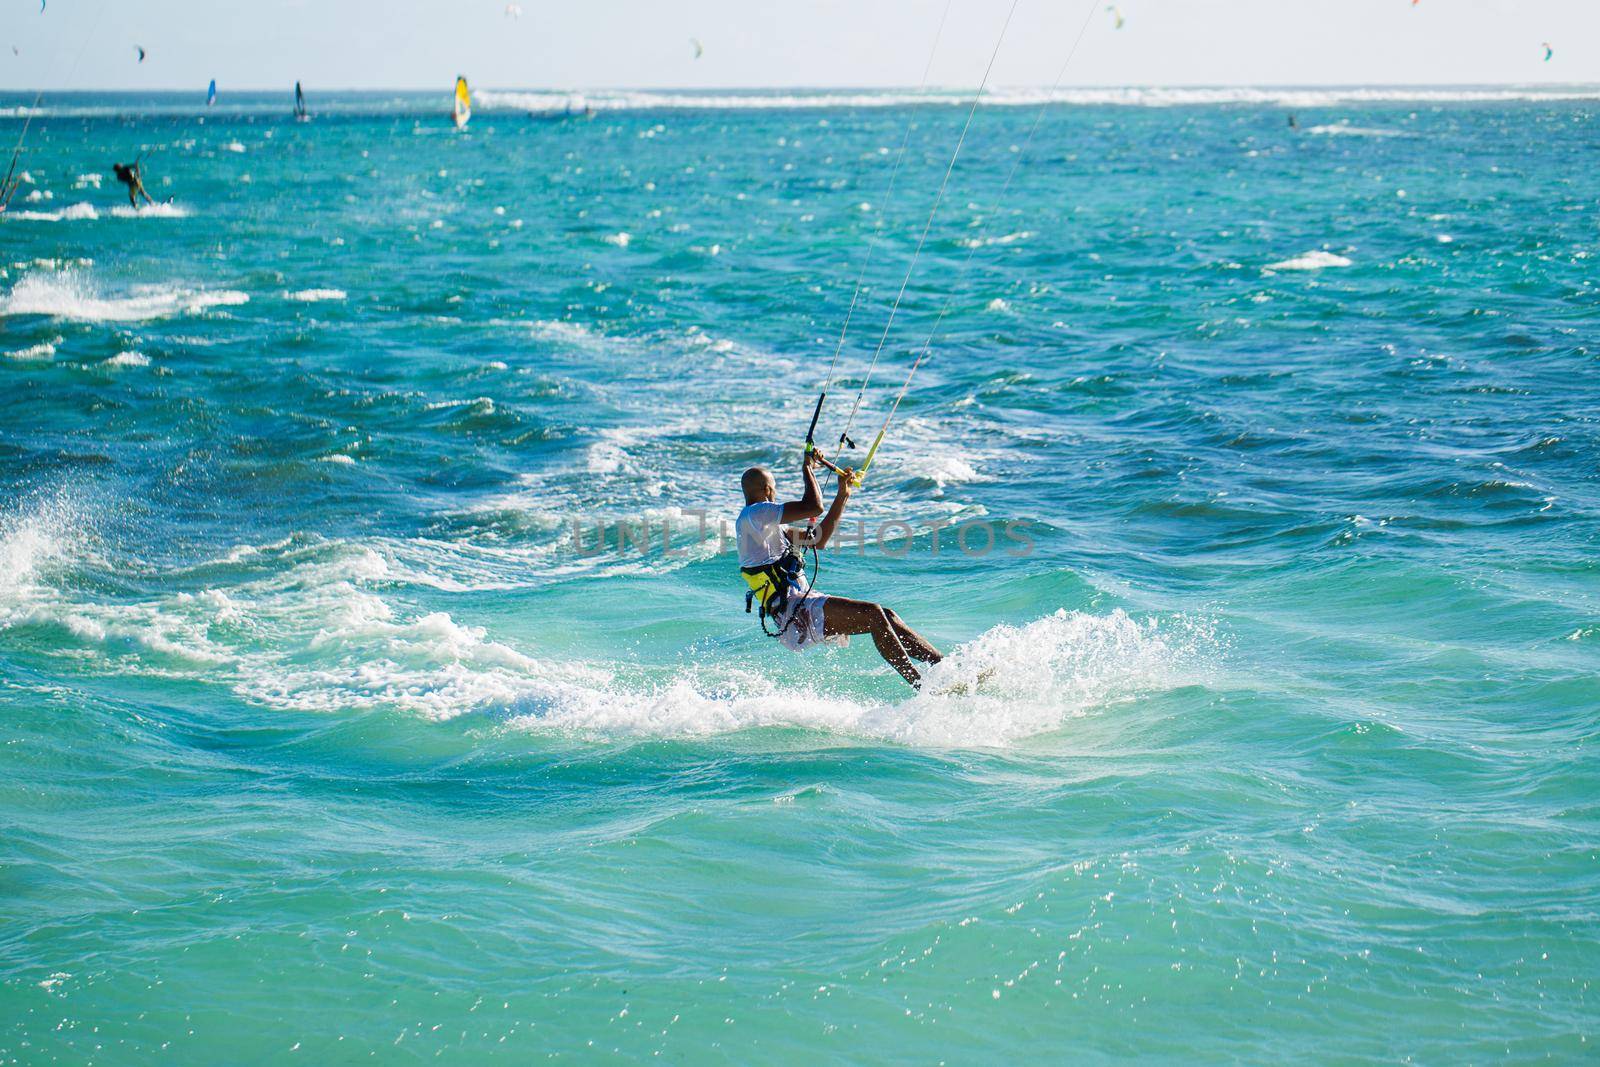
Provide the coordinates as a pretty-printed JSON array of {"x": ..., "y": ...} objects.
[
  {"x": 41, "y": 5},
  {"x": 1117, "y": 14},
  {"x": 1548, "y": 51},
  {"x": 141, "y": 53},
  {"x": 513, "y": 11},
  {"x": 699, "y": 49}
]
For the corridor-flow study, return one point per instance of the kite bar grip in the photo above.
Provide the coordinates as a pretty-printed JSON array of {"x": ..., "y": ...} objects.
[{"x": 816, "y": 413}]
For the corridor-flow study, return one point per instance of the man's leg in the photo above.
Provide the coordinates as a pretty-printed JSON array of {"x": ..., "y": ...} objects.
[
  {"x": 843, "y": 617},
  {"x": 915, "y": 645}
]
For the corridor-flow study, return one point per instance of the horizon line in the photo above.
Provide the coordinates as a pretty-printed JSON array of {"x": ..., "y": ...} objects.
[{"x": 186, "y": 88}]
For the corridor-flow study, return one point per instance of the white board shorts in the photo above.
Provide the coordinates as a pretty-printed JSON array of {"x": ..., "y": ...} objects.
[{"x": 807, "y": 630}]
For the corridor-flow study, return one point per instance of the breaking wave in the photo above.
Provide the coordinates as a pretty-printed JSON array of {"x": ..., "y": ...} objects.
[
  {"x": 1318, "y": 260},
  {"x": 68, "y": 296},
  {"x": 308, "y": 625}
]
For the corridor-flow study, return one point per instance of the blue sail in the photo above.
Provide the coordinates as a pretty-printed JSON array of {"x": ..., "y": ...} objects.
[{"x": 211, "y": 93}]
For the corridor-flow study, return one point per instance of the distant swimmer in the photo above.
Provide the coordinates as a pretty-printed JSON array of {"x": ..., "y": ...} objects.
[
  {"x": 1293, "y": 125},
  {"x": 128, "y": 174},
  {"x": 770, "y": 560}
]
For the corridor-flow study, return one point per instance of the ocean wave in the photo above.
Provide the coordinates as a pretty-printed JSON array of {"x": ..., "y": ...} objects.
[
  {"x": 986, "y": 242},
  {"x": 84, "y": 211},
  {"x": 312, "y": 296},
  {"x": 567, "y": 332},
  {"x": 1342, "y": 129},
  {"x": 1007, "y": 685},
  {"x": 150, "y": 211},
  {"x": 73, "y": 213},
  {"x": 42, "y": 350},
  {"x": 1317, "y": 260},
  {"x": 67, "y": 296},
  {"x": 308, "y": 625},
  {"x": 28, "y": 541}
]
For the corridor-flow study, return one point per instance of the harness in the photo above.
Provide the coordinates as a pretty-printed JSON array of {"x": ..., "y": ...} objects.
[{"x": 772, "y": 585}]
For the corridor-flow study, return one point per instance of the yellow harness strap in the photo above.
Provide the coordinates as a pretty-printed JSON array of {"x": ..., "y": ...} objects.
[{"x": 761, "y": 584}]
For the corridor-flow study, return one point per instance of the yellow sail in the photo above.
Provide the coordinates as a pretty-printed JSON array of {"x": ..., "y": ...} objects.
[{"x": 463, "y": 110}]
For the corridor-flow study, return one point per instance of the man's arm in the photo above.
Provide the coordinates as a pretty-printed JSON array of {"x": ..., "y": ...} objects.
[
  {"x": 810, "y": 506},
  {"x": 830, "y": 521}
]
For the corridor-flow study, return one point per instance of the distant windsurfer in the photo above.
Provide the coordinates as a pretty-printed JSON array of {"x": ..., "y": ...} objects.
[
  {"x": 769, "y": 559},
  {"x": 128, "y": 174}
]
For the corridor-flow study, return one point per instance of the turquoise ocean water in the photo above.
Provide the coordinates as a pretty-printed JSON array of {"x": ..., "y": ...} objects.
[{"x": 328, "y": 733}]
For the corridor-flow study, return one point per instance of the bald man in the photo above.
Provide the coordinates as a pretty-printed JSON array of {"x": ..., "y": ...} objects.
[{"x": 769, "y": 558}]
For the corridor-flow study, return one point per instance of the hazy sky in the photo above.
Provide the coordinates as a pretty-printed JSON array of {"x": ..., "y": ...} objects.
[{"x": 90, "y": 44}]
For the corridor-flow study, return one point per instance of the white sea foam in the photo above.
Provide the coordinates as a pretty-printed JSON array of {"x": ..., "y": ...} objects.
[
  {"x": 87, "y": 212},
  {"x": 150, "y": 211},
  {"x": 42, "y": 350},
  {"x": 942, "y": 468},
  {"x": 621, "y": 240},
  {"x": 1009, "y": 684},
  {"x": 29, "y": 541},
  {"x": 308, "y": 625},
  {"x": 128, "y": 359},
  {"x": 574, "y": 333},
  {"x": 233, "y": 146},
  {"x": 1131, "y": 96},
  {"x": 312, "y": 296},
  {"x": 1344, "y": 129},
  {"x": 54, "y": 264},
  {"x": 71, "y": 213},
  {"x": 1317, "y": 260},
  {"x": 68, "y": 296},
  {"x": 986, "y": 242},
  {"x": 548, "y": 102}
]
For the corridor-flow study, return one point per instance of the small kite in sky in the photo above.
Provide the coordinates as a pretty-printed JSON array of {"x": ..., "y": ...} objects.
[
  {"x": 699, "y": 49},
  {"x": 1548, "y": 51},
  {"x": 1117, "y": 13},
  {"x": 513, "y": 11},
  {"x": 141, "y": 53},
  {"x": 41, "y": 5}
]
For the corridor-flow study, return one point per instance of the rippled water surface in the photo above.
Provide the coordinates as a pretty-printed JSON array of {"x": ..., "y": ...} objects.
[{"x": 329, "y": 732}]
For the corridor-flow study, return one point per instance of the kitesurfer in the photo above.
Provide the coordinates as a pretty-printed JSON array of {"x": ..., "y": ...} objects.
[
  {"x": 769, "y": 558},
  {"x": 128, "y": 174}
]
